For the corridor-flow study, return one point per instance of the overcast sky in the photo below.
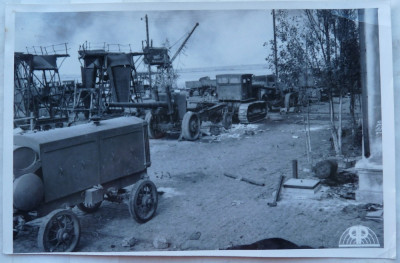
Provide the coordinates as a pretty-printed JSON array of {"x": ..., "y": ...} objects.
[{"x": 223, "y": 38}]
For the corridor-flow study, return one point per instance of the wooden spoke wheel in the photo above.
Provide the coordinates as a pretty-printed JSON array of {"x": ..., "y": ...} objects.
[
  {"x": 143, "y": 201},
  {"x": 59, "y": 232}
]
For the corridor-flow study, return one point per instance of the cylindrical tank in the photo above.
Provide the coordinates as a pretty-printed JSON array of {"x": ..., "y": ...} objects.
[
  {"x": 25, "y": 161},
  {"x": 28, "y": 192}
]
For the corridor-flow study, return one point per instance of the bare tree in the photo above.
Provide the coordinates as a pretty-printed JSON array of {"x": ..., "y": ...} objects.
[{"x": 326, "y": 42}]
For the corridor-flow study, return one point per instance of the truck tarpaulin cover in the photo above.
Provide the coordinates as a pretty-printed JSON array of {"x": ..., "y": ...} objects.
[
  {"x": 119, "y": 70},
  {"x": 44, "y": 62}
]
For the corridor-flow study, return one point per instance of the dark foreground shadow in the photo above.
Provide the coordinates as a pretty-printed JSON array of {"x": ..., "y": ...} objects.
[{"x": 269, "y": 243}]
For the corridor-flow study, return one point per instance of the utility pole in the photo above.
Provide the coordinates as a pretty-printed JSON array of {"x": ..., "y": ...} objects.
[
  {"x": 276, "y": 54},
  {"x": 153, "y": 91}
]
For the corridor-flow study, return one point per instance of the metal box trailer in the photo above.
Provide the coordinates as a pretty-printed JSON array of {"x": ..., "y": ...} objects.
[{"x": 80, "y": 165}]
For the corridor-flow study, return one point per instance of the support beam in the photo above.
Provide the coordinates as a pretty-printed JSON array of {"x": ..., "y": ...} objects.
[{"x": 369, "y": 169}]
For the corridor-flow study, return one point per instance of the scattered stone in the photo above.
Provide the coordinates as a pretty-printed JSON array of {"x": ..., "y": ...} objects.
[
  {"x": 195, "y": 236},
  {"x": 236, "y": 202},
  {"x": 160, "y": 242},
  {"x": 326, "y": 169},
  {"x": 249, "y": 132},
  {"x": 129, "y": 242}
]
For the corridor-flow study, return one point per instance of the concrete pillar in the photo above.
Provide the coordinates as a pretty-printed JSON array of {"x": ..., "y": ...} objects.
[{"x": 369, "y": 169}]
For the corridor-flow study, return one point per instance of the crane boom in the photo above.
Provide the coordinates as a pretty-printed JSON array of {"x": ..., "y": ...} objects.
[{"x": 183, "y": 44}]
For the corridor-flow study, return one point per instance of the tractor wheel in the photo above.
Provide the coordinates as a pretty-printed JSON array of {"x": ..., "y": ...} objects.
[
  {"x": 152, "y": 126},
  {"x": 191, "y": 126}
]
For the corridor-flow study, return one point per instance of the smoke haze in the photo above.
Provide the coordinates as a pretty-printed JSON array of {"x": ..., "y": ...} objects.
[{"x": 229, "y": 37}]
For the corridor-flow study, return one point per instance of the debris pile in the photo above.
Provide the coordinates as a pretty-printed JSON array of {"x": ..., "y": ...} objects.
[
  {"x": 344, "y": 185},
  {"x": 365, "y": 211},
  {"x": 237, "y": 131}
]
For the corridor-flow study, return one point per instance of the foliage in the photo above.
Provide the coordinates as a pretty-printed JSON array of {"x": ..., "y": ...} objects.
[{"x": 322, "y": 45}]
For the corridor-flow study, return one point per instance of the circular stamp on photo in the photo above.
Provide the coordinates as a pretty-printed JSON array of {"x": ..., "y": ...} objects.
[{"x": 358, "y": 236}]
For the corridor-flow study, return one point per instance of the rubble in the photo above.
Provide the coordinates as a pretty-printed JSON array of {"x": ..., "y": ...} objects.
[
  {"x": 129, "y": 242},
  {"x": 160, "y": 242}
]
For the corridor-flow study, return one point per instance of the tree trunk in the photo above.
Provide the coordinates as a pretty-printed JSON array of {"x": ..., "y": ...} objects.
[
  {"x": 333, "y": 129},
  {"x": 339, "y": 132},
  {"x": 352, "y": 116}
]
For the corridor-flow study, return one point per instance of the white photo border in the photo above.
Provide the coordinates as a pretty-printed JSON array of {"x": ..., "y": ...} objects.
[{"x": 387, "y": 98}]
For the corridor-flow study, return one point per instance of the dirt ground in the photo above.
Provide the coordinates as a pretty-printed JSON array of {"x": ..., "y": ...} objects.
[{"x": 201, "y": 209}]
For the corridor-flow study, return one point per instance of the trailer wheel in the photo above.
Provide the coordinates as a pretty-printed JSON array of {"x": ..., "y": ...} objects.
[
  {"x": 143, "y": 201},
  {"x": 191, "y": 126},
  {"x": 89, "y": 209},
  {"x": 59, "y": 232},
  {"x": 152, "y": 126}
]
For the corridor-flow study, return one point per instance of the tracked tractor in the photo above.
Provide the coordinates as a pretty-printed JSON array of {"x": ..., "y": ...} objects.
[{"x": 241, "y": 98}]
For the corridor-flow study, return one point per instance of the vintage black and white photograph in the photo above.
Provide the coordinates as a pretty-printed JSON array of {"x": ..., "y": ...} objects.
[{"x": 218, "y": 130}]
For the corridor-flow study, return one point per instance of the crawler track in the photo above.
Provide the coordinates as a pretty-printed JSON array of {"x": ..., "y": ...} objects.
[{"x": 252, "y": 112}]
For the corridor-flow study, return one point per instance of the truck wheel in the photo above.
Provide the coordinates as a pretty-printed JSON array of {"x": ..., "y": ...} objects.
[
  {"x": 152, "y": 126},
  {"x": 191, "y": 126},
  {"x": 143, "y": 201},
  {"x": 59, "y": 232},
  {"x": 89, "y": 209}
]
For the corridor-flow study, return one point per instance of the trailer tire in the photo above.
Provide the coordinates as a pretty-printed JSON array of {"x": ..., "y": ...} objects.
[{"x": 191, "y": 126}]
